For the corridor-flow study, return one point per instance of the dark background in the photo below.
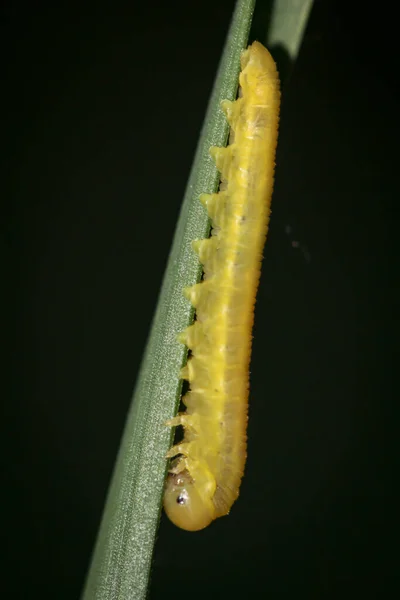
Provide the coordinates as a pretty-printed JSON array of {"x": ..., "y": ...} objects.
[{"x": 97, "y": 167}]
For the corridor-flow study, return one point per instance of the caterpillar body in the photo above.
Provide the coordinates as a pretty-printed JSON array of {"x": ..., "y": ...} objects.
[{"x": 204, "y": 478}]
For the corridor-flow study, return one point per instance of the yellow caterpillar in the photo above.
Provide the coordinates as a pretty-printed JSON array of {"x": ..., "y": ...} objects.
[{"x": 204, "y": 480}]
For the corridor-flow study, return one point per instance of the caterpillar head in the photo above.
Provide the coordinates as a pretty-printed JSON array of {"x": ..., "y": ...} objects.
[{"x": 187, "y": 504}]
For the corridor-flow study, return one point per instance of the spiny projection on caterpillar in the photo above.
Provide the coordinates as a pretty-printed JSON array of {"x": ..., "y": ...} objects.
[{"x": 205, "y": 475}]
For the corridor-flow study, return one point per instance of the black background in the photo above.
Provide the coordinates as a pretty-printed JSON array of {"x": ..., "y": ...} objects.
[{"x": 106, "y": 104}]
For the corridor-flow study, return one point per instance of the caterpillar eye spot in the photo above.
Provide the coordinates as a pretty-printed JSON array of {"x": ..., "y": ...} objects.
[{"x": 206, "y": 476}]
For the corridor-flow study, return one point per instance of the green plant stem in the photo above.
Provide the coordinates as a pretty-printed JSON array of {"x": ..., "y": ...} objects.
[
  {"x": 287, "y": 25},
  {"x": 123, "y": 552}
]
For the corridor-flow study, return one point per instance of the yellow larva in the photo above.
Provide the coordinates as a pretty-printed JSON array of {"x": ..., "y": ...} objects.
[{"x": 204, "y": 480}]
